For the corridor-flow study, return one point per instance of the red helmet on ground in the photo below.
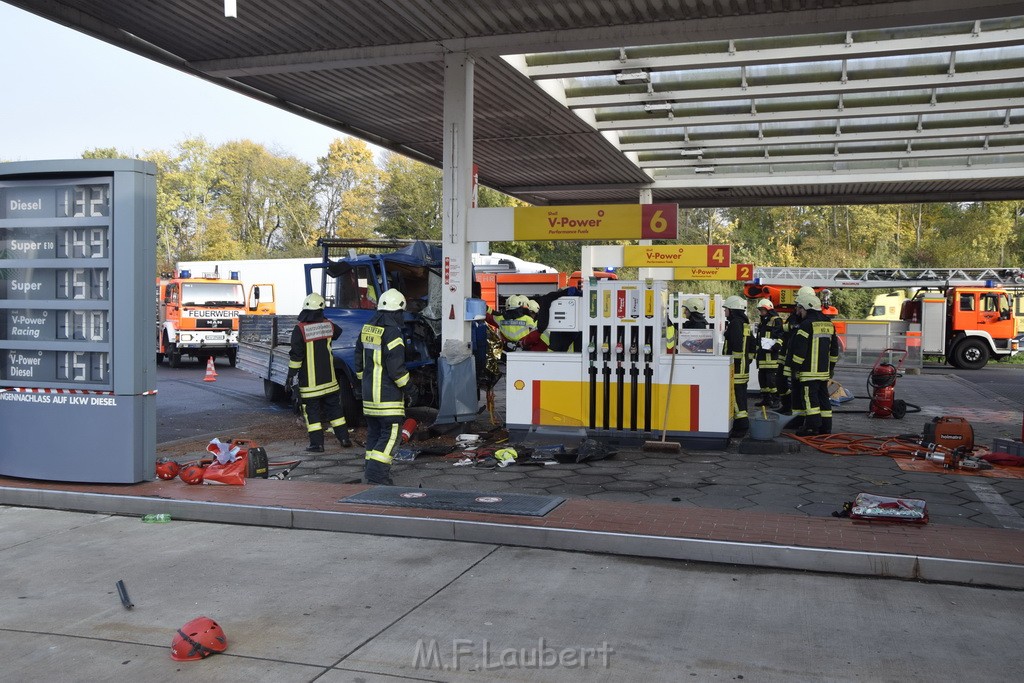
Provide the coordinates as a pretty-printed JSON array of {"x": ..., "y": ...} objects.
[
  {"x": 167, "y": 469},
  {"x": 198, "y": 639},
  {"x": 191, "y": 473}
]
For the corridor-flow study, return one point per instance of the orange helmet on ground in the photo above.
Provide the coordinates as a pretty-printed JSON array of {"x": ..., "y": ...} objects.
[
  {"x": 198, "y": 639},
  {"x": 167, "y": 468},
  {"x": 192, "y": 473}
]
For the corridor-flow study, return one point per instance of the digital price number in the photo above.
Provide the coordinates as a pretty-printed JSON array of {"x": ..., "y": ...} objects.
[{"x": 55, "y": 283}]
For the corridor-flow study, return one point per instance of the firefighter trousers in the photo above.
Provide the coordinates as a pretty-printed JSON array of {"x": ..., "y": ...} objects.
[
  {"x": 383, "y": 434},
  {"x": 324, "y": 409}
]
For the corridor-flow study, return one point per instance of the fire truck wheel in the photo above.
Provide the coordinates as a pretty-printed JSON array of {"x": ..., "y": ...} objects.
[
  {"x": 233, "y": 357},
  {"x": 173, "y": 356},
  {"x": 971, "y": 354}
]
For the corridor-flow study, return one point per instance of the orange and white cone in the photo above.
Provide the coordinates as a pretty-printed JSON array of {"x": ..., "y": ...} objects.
[{"x": 211, "y": 373}]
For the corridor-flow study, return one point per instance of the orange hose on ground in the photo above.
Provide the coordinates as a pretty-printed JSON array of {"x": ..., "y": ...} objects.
[{"x": 866, "y": 444}]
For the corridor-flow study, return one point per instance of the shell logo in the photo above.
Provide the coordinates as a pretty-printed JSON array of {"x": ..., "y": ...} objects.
[{"x": 519, "y": 385}]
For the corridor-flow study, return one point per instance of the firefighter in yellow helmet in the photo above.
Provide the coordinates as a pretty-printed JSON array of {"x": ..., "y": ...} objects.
[
  {"x": 769, "y": 337},
  {"x": 380, "y": 366},
  {"x": 739, "y": 343},
  {"x": 814, "y": 352},
  {"x": 310, "y": 358}
]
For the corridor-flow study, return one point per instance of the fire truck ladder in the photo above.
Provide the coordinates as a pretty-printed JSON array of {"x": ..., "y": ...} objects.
[{"x": 894, "y": 278}]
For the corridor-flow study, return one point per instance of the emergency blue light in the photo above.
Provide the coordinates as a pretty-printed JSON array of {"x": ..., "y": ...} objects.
[
  {"x": 234, "y": 275},
  {"x": 185, "y": 274}
]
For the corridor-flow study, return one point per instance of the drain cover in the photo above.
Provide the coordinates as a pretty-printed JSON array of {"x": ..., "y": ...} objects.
[{"x": 468, "y": 501}]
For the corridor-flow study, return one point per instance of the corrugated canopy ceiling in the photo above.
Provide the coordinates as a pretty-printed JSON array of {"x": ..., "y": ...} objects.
[{"x": 705, "y": 102}]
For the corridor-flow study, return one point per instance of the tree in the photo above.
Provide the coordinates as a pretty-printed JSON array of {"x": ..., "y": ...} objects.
[
  {"x": 268, "y": 199},
  {"x": 410, "y": 201},
  {"x": 347, "y": 183}
]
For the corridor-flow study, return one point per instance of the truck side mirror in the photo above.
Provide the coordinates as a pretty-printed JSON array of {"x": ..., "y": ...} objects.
[{"x": 254, "y": 298}]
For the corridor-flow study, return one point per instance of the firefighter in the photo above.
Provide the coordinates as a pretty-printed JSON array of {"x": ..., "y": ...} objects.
[
  {"x": 380, "y": 366},
  {"x": 516, "y": 325},
  {"x": 769, "y": 335},
  {"x": 814, "y": 352},
  {"x": 739, "y": 343},
  {"x": 695, "y": 319},
  {"x": 786, "y": 389},
  {"x": 310, "y": 359}
]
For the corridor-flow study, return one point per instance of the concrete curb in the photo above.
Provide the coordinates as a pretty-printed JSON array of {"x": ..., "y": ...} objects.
[{"x": 916, "y": 567}]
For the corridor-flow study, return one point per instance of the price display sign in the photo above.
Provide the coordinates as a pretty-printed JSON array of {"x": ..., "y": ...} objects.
[
  {"x": 55, "y": 239},
  {"x": 77, "y": 263}
]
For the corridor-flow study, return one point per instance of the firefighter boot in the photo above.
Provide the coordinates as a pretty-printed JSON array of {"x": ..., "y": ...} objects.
[
  {"x": 316, "y": 442},
  {"x": 812, "y": 426},
  {"x": 739, "y": 428},
  {"x": 826, "y": 426},
  {"x": 377, "y": 472},
  {"x": 343, "y": 438},
  {"x": 785, "y": 404}
]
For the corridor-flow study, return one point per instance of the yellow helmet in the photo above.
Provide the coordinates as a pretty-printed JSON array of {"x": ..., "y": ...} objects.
[
  {"x": 532, "y": 306},
  {"x": 515, "y": 301}
]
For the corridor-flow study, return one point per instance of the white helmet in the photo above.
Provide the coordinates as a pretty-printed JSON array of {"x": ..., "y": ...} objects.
[
  {"x": 515, "y": 301},
  {"x": 805, "y": 290},
  {"x": 765, "y": 303},
  {"x": 313, "y": 302},
  {"x": 809, "y": 302},
  {"x": 736, "y": 303},
  {"x": 532, "y": 306},
  {"x": 694, "y": 304},
  {"x": 391, "y": 300}
]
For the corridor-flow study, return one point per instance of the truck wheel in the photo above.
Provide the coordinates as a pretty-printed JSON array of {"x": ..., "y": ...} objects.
[
  {"x": 971, "y": 354},
  {"x": 273, "y": 391},
  {"x": 233, "y": 357},
  {"x": 173, "y": 356}
]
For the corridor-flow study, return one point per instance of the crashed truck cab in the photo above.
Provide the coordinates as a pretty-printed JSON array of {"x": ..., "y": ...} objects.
[{"x": 351, "y": 285}]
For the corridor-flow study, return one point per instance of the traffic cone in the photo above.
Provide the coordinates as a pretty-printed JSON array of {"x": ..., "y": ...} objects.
[{"x": 211, "y": 373}]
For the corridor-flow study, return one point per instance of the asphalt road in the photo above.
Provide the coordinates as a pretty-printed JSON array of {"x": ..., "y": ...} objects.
[{"x": 188, "y": 406}]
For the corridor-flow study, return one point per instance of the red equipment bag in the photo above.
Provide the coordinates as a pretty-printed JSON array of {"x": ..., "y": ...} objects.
[
  {"x": 256, "y": 456},
  {"x": 950, "y": 432},
  {"x": 232, "y": 473}
]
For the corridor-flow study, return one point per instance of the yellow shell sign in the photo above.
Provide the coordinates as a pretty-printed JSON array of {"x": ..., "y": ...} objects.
[{"x": 597, "y": 222}]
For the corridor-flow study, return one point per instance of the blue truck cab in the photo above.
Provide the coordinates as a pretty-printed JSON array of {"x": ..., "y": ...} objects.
[{"x": 351, "y": 284}]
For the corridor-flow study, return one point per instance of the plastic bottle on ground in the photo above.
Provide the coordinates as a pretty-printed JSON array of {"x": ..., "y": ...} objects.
[{"x": 160, "y": 518}]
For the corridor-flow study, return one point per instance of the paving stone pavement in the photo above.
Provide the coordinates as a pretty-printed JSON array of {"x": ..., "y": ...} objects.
[{"x": 805, "y": 482}]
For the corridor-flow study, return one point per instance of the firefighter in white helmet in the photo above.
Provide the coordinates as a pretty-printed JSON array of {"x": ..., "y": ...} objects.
[
  {"x": 694, "y": 310},
  {"x": 814, "y": 352},
  {"x": 769, "y": 337},
  {"x": 739, "y": 343},
  {"x": 311, "y": 359},
  {"x": 785, "y": 388},
  {"x": 380, "y": 366}
]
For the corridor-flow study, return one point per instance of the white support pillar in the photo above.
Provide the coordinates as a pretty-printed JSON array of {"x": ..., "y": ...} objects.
[
  {"x": 646, "y": 197},
  {"x": 457, "y": 170}
]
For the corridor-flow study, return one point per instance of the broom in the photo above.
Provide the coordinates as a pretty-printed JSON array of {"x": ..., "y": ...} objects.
[{"x": 664, "y": 446}]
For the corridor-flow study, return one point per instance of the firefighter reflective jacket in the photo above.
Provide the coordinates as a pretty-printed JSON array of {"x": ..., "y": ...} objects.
[
  {"x": 739, "y": 343},
  {"x": 380, "y": 365},
  {"x": 310, "y": 354},
  {"x": 815, "y": 348},
  {"x": 770, "y": 328},
  {"x": 515, "y": 326}
]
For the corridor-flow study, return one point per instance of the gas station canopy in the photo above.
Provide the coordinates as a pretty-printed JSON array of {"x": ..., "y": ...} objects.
[{"x": 703, "y": 102}]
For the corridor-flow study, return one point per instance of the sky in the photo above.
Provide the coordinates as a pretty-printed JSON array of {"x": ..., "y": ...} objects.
[{"x": 65, "y": 92}]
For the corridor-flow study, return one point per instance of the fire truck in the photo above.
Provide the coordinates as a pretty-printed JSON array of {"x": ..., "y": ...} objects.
[
  {"x": 198, "y": 316},
  {"x": 965, "y": 315}
]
